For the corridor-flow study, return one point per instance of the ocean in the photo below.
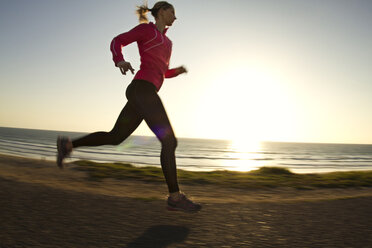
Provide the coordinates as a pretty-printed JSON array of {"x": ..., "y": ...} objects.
[{"x": 196, "y": 154}]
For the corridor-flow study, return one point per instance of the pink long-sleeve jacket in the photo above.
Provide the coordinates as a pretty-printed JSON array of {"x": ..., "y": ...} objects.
[{"x": 155, "y": 50}]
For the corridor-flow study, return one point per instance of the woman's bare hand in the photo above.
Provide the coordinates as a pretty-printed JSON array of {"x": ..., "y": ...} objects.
[
  {"x": 124, "y": 66},
  {"x": 181, "y": 70}
]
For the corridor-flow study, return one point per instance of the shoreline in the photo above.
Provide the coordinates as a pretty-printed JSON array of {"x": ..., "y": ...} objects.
[{"x": 144, "y": 164}]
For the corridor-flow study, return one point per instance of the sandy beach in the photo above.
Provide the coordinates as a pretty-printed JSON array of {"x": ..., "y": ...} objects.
[{"x": 42, "y": 206}]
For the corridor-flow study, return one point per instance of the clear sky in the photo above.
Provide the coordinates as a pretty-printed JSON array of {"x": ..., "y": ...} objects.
[{"x": 279, "y": 70}]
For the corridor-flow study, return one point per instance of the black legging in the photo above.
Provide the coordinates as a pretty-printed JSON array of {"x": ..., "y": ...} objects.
[{"x": 143, "y": 104}]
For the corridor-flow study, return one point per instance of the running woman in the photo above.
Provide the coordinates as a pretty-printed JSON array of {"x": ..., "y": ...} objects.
[{"x": 144, "y": 102}]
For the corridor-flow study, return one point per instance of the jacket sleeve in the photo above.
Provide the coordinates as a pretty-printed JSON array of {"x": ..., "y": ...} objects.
[
  {"x": 171, "y": 73},
  {"x": 124, "y": 39}
]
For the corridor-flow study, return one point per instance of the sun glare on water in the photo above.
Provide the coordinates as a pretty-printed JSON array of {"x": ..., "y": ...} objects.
[
  {"x": 245, "y": 154},
  {"x": 247, "y": 104},
  {"x": 256, "y": 110}
]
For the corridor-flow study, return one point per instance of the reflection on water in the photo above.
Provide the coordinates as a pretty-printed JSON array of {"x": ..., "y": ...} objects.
[{"x": 244, "y": 155}]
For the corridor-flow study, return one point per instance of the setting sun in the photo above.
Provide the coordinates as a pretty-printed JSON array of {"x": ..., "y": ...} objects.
[{"x": 248, "y": 103}]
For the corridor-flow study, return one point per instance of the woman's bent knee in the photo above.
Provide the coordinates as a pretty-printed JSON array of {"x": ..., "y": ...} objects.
[
  {"x": 169, "y": 141},
  {"x": 115, "y": 139}
]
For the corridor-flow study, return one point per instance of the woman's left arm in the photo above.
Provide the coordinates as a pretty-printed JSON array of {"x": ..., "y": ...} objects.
[
  {"x": 175, "y": 72},
  {"x": 124, "y": 39}
]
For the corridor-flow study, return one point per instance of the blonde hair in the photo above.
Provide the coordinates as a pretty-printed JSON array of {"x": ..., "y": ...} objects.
[{"x": 144, "y": 9}]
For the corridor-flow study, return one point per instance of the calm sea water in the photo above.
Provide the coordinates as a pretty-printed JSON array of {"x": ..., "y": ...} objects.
[{"x": 197, "y": 154}]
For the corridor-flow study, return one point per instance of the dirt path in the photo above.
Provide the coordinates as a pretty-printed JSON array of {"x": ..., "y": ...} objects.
[{"x": 35, "y": 214}]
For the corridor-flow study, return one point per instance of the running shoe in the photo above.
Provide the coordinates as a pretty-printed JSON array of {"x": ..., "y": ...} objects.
[
  {"x": 183, "y": 204},
  {"x": 62, "y": 150}
]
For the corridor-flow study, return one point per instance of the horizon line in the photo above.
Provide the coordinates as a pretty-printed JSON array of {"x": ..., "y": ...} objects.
[{"x": 201, "y": 138}]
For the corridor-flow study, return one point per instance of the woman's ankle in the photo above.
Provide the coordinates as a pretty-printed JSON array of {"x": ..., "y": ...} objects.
[{"x": 175, "y": 195}]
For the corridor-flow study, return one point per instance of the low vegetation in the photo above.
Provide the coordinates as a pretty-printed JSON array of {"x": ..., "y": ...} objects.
[{"x": 265, "y": 177}]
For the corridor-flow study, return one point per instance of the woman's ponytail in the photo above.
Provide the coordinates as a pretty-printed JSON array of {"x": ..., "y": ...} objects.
[
  {"x": 142, "y": 13},
  {"x": 143, "y": 9}
]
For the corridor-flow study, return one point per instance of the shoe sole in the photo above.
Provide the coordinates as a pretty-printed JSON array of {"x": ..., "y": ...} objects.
[{"x": 60, "y": 143}]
